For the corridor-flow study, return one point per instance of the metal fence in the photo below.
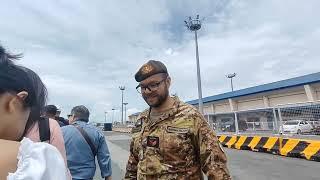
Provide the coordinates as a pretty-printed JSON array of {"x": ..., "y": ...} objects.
[{"x": 301, "y": 118}]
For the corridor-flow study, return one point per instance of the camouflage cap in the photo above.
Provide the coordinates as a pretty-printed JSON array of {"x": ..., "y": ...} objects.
[{"x": 151, "y": 68}]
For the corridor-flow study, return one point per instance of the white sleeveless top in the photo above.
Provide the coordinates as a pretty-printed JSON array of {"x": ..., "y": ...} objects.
[{"x": 38, "y": 161}]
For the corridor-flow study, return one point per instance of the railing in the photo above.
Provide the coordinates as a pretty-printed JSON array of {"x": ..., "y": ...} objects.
[{"x": 269, "y": 120}]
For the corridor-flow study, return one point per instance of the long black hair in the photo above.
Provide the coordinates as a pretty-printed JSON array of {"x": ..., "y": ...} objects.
[
  {"x": 15, "y": 78},
  {"x": 41, "y": 99}
]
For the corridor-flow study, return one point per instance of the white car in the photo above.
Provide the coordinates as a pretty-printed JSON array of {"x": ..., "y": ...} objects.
[{"x": 297, "y": 127}]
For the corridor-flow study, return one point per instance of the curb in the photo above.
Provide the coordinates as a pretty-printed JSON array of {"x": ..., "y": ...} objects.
[{"x": 299, "y": 148}]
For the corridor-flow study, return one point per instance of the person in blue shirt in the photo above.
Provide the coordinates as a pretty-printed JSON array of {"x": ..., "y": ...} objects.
[{"x": 83, "y": 143}]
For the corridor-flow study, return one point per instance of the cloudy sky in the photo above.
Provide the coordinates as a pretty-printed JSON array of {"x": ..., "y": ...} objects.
[{"x": 84, "y": 50}]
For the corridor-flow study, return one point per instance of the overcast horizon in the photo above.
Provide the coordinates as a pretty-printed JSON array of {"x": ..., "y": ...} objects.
[{"x": 84, "y": 51}]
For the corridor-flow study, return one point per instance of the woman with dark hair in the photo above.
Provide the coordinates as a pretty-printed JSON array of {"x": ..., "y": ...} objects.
[
  {"x": 21, "y": 98},
  {"x": 33, "y": 128}
]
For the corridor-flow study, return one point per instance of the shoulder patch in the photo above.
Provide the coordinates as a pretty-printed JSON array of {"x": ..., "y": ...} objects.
[{"x": 153, "y": 141}]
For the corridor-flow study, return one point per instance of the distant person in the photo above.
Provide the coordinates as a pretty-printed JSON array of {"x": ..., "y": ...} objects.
[
  {"x": 63, "y": 121},
  {"x": 84, "y": 142},
  {"x": 174, "y": 140},
  {"x": 21, "y": 98},
  {"x": 50, "y": 111}
]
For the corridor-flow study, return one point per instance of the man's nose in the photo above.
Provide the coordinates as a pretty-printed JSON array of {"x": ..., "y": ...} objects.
[{"x": 147, "y": 91}]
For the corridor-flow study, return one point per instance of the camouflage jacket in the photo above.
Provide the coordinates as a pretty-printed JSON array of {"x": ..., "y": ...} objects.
[{"x": 178, "y": 145}]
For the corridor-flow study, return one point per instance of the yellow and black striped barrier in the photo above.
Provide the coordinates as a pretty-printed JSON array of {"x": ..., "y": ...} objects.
[{"x": 300, "y": 148}]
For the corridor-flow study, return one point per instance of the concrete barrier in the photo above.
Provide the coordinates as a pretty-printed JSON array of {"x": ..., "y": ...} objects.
[
  {"x": 122, "y": 129},
  {"x": 300, "y": 148},
  {"x": 290, "y": 147}
]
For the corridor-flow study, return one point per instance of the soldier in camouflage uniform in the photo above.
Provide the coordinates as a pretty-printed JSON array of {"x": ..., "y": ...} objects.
[{"x": 173, "y": 141}]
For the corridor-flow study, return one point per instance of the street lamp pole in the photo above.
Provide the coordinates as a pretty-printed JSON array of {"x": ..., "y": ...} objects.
[
  {"x": 122, "y": 88},
  {"x": 195, "y": 25},
  {"x": 231, "y": 76},
  {"x": 113, "y": 114},
  {"x": 105, "y": 116},
  {"x": 125, "y": 112}
]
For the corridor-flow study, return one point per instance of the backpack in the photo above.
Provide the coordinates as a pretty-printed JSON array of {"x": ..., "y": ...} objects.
[{"x": 44, "y": 129}]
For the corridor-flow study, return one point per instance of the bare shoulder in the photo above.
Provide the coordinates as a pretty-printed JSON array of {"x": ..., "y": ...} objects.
[
  {"x": 54, "y": 126},
  {"x": 53, "y": 123},
  {"x": 8, "y": 157}
]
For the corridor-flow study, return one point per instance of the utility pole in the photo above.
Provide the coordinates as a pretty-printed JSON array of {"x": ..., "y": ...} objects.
[
  {"x": 105, "y": 116},
  {"x": 113, "y": 115},
  {"x": 122, "y": 88},
  {"x": 231, "y": 76},
  {"x": 195, "y": 25},
  {"x": 125, "y": 112}
]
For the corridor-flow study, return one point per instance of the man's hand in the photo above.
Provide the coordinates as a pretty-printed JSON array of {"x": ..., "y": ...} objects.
[{"x": 108, "y": 178}]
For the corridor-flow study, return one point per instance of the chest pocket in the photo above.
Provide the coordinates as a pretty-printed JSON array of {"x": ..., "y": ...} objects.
[
  {"x": 178, "y": 146},
  {"x": 176, "y": 137}
]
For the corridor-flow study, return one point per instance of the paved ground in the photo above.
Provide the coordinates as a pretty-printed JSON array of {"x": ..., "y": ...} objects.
[{"x": 243, "y": 165}]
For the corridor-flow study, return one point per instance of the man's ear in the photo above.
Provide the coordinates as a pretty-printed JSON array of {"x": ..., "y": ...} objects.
[{"x": 168, "y": 81}]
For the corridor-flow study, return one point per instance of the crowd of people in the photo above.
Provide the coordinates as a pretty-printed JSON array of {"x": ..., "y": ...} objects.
[
  {"x": 36, "y": 142},
  {"x": 171, "y": 140}
]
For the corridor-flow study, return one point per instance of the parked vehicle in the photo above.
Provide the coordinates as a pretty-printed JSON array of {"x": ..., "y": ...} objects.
[
  {"x": 297, "y": 127},
  {"x": 227, "y": 127},
  {"x": 316, "y": 126}
]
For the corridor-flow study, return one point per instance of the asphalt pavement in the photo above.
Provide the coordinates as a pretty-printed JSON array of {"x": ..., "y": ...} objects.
[{"x": 243, "y": 165}]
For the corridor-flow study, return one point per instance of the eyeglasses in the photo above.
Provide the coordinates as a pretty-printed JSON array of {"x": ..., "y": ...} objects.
[
  {"x": 151, "y": 87},
  {"x": 69, "y": 115}
]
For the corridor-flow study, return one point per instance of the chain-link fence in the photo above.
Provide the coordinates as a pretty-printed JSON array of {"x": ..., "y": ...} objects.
[
  {"x": 286, "y": 119},
  {"x": 300, "y": 118},
  {"x": 257, "y": 121},
  {"x": 222, "y": 122}
]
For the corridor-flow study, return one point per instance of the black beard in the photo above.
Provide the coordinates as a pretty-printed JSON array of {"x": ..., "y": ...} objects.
[{"x": 160, "y": 99}]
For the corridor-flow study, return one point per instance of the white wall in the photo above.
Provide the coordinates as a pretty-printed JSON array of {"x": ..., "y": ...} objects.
[
  {"x": 207, "y": 109},
  {"x": 250, "y": 104},
  {"x": 288, "y": 98},
  {"x": 273, "y": 99},
  {"x": 222, "y": 108}
]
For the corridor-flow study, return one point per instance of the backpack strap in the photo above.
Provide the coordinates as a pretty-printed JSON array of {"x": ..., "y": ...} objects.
[
  {"x": 44, "y": 129},
  {"x": 88, "y": 140}
]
